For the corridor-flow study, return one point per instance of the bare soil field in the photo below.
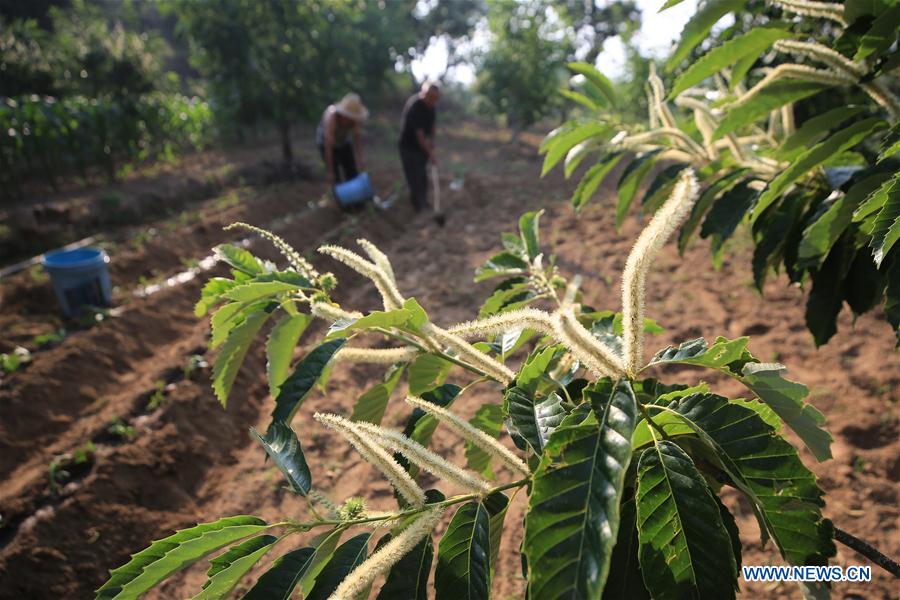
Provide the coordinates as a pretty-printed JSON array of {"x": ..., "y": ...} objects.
[{"x": 167, "y": 455}]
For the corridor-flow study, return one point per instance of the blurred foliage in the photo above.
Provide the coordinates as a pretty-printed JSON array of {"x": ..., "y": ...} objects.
[
  {"x": 43, "y": 138},
  {"x": 82, "y": 53},
  {"x": 525, "y": 64}
]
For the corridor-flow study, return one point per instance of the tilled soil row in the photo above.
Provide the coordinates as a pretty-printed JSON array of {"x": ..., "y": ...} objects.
[{"x": 106, "y": 375}]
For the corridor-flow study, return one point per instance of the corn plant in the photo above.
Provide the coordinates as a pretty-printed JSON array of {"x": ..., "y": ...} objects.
[
  {"x": 820, "y": 192},
  {"x": 623, "y": 472}
]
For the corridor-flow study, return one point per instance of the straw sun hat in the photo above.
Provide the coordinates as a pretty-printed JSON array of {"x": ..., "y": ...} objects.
[{"x": 352, "y": 107}]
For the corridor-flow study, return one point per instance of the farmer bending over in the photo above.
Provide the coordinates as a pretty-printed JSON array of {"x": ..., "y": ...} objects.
[
  {"x": 339, "y": 122},
  {"x": 417, "y": 141}
]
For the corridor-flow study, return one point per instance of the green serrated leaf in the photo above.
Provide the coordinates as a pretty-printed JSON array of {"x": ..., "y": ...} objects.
[
  {"x": 769, "y": 469},
  {"x": 579, "y": 98},
  {"x": 821, "y": 235},
  {"x": 886, "y": 227},
  {"x": 882, "y": 34},
  {"x": 227, "y": 570},
  {"x": 509, "y": 294},
  {"x": 375, "y": 319},
  {"x": 786, "y": 399},
  {"x": 596, "y": 79},
  {"x": 239, "y": 258},
  {"x": 421, "y": 426},
  {"x": 630, "y": 180},
  {"x": 740, "y": 69},
  {"x": 463, "y": 569},
  {"x": 709, "y": 195},
  {"x": 282, "y": 446},
  {"x": 891, "y": 143},
  {"x": 734, "y": 535},
  {"x": 227, "y": 317},
  {"x": 725, "y": 215},
  {"x": 534, "y": 372},
  {"x": 773, "y": 96},
  {"x": 752, "y": 43},
  {"x": 280, "y": 348},
  {"x": 417, "y": 315},
  {"x": 573, "y": 517},
  {"x": 661, "y": 187},
  {"x": 625, "y": 581},
  {"x": 307, "y": 372},
  {"x": 255, "y": 290},
  {"x": 427, "y": 372},
  {"x": 765, "y": 380},
  {"x": 698, "y": 27},
  {"x": 231, "y": 356},
  {"x": 561, "y": 145},
  {"x": 814, "y": 129},
  {"x": 211, "y": 294},
  {"x": 697, "y": 352},
  {"x": 501, "y": 264},
  {"x": 279, "y": 582},
  {"x": 370, "y": 407},
  {"x": 533, "y": 419},
  {"x": 815, "y": 156},
  {"x": 347, "y": 557},
  {"x": 489, "y": 419},
  {"x": 497, "y": 504},
  {"x": 224, "y": 560},
  {"x": 577, "y": 154},
  {"x": 556, "y": 133},
  {"x": 325, "y": 545},
  {"x": 593, "y": 178},
  {"x": 529, "y": 230},
  {"x": 174, "y": 553},
  {"x": 408, "y": 578},
  {"x": 685, "y": 551}
]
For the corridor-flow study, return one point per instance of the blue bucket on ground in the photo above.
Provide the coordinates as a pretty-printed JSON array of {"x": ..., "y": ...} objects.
[
  {"x": 354, "y": 192},
  {"x": 80, "y": 278}
]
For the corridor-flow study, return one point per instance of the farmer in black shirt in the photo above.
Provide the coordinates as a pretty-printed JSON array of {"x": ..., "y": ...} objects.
[{"x": 417, "y": 141}]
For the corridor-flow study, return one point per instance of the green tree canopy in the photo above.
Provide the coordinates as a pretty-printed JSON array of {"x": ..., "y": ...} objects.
[{"x": 524, "y": 65}]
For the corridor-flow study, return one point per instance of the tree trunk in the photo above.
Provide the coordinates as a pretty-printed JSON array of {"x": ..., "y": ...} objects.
[{"x": 287, "y": 151}]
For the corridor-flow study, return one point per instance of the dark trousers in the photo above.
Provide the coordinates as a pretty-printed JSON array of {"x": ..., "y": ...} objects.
[
  {"x": 415, "y": 170},
  {"x": 342, "y": 159}
]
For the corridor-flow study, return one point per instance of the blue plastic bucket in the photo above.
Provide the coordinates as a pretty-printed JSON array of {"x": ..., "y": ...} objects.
[
  {"x": 356, "y": 191},
  {"x": 80, "y": 278}
]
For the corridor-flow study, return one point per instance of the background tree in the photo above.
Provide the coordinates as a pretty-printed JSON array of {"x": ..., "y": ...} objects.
[
  {"x": 84, "y": 51},
  {"x": 524, "y": 66},
  {"x": 594, "y": 22},
  {"x": 452, "y": 21}
]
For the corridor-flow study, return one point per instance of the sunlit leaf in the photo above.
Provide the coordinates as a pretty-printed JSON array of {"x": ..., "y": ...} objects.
[
  {"x": 228, "y": 569},
  {"x": 754, "y": 42},
  {"x": 698, "y": 26},
  {"x": 231, "y": 356},
  {"x": 280, "y": 348},
  {"x": 174, "y": 553}
]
